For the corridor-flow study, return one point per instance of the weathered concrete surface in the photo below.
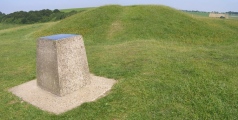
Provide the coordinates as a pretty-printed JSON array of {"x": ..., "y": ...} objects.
[
  {"x": 47, "y": 101},
  {"x": 62, "y": 65}
]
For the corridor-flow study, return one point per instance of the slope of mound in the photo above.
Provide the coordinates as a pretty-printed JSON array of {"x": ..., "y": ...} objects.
[
  {"x": 116, "y": 23},
  {"x": 92, "y": 24}
]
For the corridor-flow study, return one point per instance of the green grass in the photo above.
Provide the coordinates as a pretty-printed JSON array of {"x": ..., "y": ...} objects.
[
  {"x": 76, "y": 9},
  {"x": 233, "y": 16},
  {"x": 6, "y": 26},
  {"x": 168, "y": 64}
]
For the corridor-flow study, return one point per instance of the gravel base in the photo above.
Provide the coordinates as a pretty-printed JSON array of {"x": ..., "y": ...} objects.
[{"x": 47, "y": 101}]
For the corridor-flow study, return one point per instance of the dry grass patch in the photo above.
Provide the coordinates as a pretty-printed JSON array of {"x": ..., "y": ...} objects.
[{"x": 115, "y": 28}]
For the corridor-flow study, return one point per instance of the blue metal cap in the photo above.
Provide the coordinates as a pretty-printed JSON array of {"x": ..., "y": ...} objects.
[{"x": 59, "y": 36}]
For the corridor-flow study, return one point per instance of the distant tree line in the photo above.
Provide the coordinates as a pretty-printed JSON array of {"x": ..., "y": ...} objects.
[
  {"x": 230, "y": 13},
  {"x": 194, "y": 11},
  {"x": 1, "y": 15},
  {"x": 45, "y": 15}
]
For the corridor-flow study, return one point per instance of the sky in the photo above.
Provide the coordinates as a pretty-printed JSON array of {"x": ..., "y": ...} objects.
[{"x": 9, "y": 6}]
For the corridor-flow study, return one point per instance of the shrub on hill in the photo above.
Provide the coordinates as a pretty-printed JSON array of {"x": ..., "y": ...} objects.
[
  {"x": 1, "y": 15},
  {"x": 45, "y": 15}
]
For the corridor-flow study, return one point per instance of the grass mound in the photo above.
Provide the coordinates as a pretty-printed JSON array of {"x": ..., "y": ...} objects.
[
  {"x": 116, "y": 23},
  {"x": 169, "y": 65}
]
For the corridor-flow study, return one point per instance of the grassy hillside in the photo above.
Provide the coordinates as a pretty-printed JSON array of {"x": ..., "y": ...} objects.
[
  {"x": 6, "y": 26},
  {"x": 76, "y": 9},
  {"x": 168, "y": 64},
  {"x": 111, "y": 24}
]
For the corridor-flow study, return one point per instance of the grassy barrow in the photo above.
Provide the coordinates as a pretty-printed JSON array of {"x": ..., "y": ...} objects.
[{"x": 169, "y": 65}]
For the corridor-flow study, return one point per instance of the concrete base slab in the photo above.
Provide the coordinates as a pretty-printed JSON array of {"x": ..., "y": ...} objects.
[{"x": 47, "y": 101}]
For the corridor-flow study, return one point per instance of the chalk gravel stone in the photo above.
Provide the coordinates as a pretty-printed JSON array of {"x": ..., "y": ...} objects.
[{"x": 31, "y": 93}]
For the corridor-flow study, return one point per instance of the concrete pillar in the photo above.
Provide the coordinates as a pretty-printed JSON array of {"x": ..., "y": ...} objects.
[{"x": 62, "y": 65}]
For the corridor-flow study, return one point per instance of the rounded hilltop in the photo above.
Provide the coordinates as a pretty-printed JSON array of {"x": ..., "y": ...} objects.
[{"x": 114, "y": 23}]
